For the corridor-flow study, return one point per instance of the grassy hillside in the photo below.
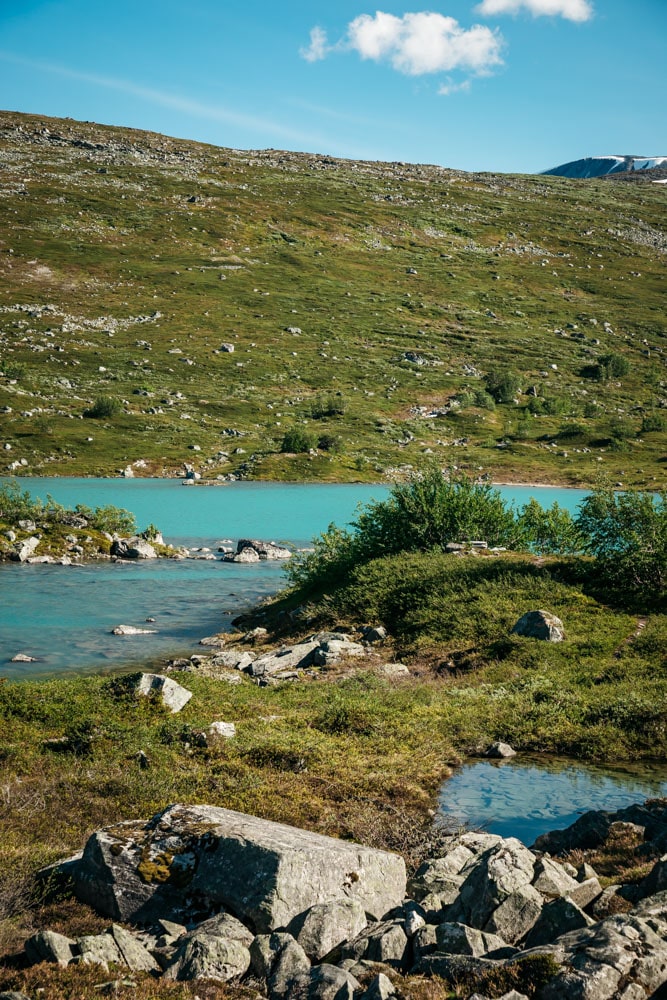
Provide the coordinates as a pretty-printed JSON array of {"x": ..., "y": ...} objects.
[{"x": 127, "y": 259}]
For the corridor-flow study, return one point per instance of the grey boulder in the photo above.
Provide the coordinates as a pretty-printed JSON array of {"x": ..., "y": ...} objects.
[
  {"x": 191, "y": 857},
  {"x": 172, "y": 695},
  {"x": 132, "y": 548},
  {"x": 540, "y": 625},
  {"x": 326, "y": 925},
  {"x": 216, "y": 949},
  {"x": 48, "y": 946},
  {"x": 289, "y": 658}
]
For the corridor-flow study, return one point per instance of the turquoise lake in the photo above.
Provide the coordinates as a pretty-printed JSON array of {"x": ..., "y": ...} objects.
[{"x": 63, "y": 615}]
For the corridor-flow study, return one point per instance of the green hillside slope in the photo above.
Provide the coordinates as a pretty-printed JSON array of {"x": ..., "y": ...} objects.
[{"x": 365, "y": 304}]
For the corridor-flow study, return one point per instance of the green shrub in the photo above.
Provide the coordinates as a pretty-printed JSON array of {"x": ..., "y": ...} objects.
[
  {"x": 110, "y": 519},
  {"x": 613, "y": 365},
  {"x": 297, "y": 440},
  {"x": 426, "y": 512},
  {"x": 627, "y": 534},
  {"x": 502, "y": 386},
  {"x": 653, "y": 422},
  {"x": 104, "y": 407},
  {"x": 333, "y": 405},
  {"x": 621, "y": 429},
  {"x": 549, "y": 532},
  {"x": 330, "y": 442}
]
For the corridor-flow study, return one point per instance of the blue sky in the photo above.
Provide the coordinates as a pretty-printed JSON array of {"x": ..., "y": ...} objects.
[{"x": 503, "y": 85}]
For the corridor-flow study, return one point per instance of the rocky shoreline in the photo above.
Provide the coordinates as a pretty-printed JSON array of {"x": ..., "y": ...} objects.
[{"x": 207, "y": 893}]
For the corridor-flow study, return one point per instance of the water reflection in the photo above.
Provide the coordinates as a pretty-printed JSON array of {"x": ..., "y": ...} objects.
[{"x": 528, "y": 795}]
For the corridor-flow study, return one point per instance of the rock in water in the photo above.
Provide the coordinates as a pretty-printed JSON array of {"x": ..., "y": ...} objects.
[
  {"x": 133, "y": 548},
  {"x": 540, "y": 625},
  {"x": 192, "y": 857}
]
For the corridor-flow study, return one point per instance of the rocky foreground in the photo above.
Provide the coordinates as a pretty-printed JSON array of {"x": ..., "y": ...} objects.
[{"x": 204, "y": 892}]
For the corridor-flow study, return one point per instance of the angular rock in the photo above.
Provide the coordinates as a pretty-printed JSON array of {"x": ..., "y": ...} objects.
[
  {"x": 558, "y": 917},
  {"x": 394, "y": 670},
  {"x": 277, "y": 960},
  {"x": 425, "y": 941},
  {"x": 374, "y": 633},
  {"x": 585, "y": 892},
  {"x": 172, "y": 695},
  {"x": 540, "y": 625},
  {"x": 288, "y": 658},
  {"x": 233, "y": 659},
  {"x": 656, "y": 880},
  {"x": 222, "y": 730},
  {"x": 324, "y": 926},
  {"x": 23, "y": 550},
  {"x": 204, "y": 856},
  {"x": 457, "y": 939},
  {"x": 99, "y": 949},
  {"x": 516, "y": 915},
  {"x": 325, "y": 982},
  {"x": 48, "y": 946},
  {"x": 499, "y": 750},
  {"x": 133, "y": 548},
  {"x": 264, "y": 550},
  {"x": 13, "y": 995},
  {"x": 385, "y": 942},
  {"x": 216, "y": 949},
  {"x": 380, "y": 988},
  {"x": 490, "y": 880},
  {"x": 551, "y": 879},
  {"x": 135, "y": 956},
  {"x": 332, "y": 650}
]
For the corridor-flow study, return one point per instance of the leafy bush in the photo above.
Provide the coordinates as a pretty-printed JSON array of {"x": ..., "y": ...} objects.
[
  {"x": 333, "y": 405},
  {"x": 330, "y": 442},
  {"x": 621, "y": 429},
  {"x": 297, "y": 440},
  {"x": 18, "y": 505},
  {"x": 426, "y": 512},
  {"x": 502, "y": 386},
  {"x": 550, "y": 532},
  {"x": 653, "y": 422},
  {"x": 104, "y": 407},
  {"x": 627, "y": 534},
  {"x": 613, "y": 366},
  {"x": 113, "y": 520}
]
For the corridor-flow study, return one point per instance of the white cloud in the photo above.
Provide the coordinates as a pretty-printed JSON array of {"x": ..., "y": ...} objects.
[
  {"x": 319, "y": 46},
  {"x": 573, "y": 10},
  {"x": 424, "y": 42},
  {"x": 448, "y": 88}
]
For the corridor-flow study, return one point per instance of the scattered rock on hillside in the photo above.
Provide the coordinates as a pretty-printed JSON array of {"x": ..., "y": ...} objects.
[
  {"x": 540, "y": 625},
  {"x": 172, "y": 695}
]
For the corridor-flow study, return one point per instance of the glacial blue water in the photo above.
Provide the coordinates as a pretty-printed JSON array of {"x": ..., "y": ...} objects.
[
  {"x": 63, "y": 615},
  {"x": 528, "y": 795}
]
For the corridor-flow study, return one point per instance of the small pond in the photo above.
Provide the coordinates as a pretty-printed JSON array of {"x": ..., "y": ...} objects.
[{"x": 528, "y": 795}]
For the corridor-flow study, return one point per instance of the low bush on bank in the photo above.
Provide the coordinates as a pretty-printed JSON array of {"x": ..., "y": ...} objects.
[{"x": 625, "y": 532}]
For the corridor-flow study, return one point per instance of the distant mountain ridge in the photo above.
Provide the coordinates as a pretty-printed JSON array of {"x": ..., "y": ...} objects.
[{"x": 599, "y": 166}]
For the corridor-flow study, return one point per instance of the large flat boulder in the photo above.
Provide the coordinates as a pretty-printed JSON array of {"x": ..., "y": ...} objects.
[{"x": 189, "y": 860}]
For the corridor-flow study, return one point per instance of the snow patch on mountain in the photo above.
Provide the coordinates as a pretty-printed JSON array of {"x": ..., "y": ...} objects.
[{"x": 598, "y": 166}]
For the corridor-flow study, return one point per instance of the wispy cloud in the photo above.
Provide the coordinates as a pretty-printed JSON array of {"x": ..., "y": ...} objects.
[
  {"x": 415, "y": 44},
  {"x": 572, "y": 10},
  {"x": 318, "y": 48},
  {"x": 174, "y": 102}
]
